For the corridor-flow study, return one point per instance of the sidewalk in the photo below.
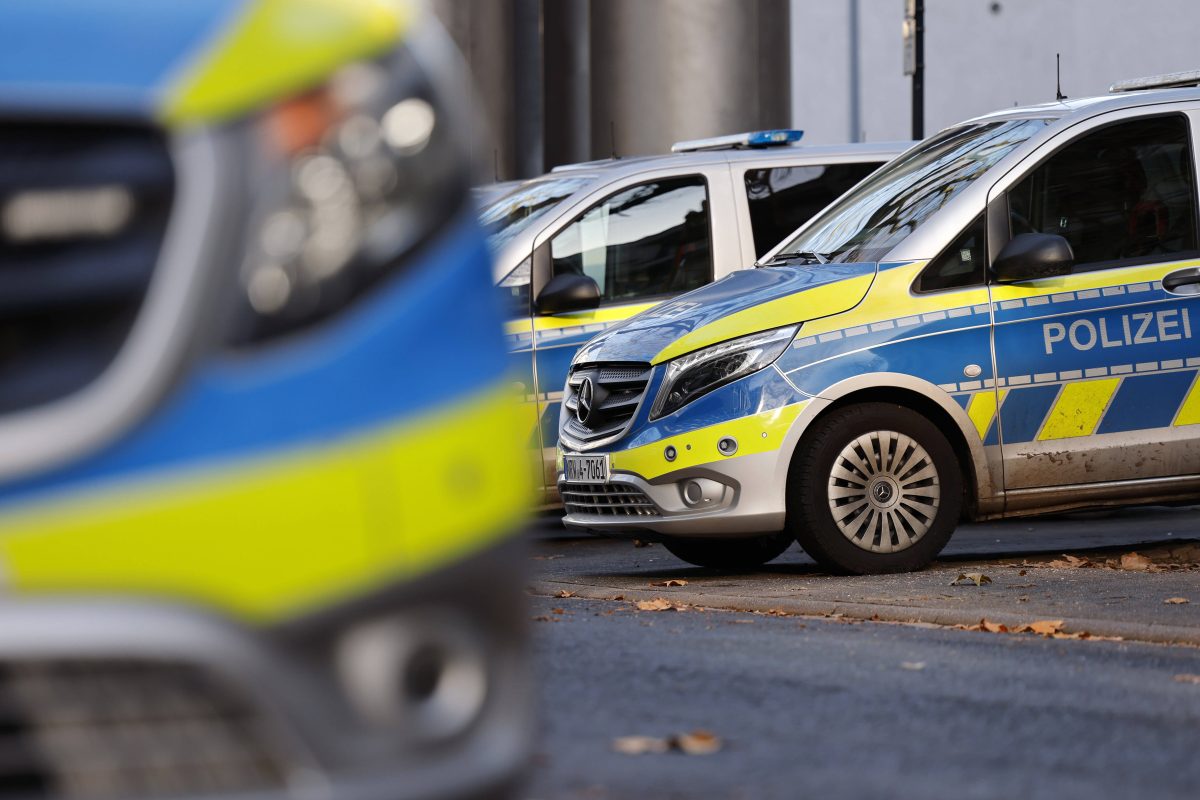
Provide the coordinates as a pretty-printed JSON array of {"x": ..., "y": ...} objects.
[{"x": 1089, "y": 591}]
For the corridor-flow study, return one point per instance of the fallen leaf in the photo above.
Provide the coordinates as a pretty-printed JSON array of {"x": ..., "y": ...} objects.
[
  {"x": 1136, "y": 562},
  {"x": 1176, "y": 601},
  {"x": 658, "y": 604},
  {"x": 1042, "y": 627},
  {"x": 1188, "y": 678},
  {"x": 671, "y": 582},
  {"x": 1023, "y": 572},
  {"x": 557, "y": 611},
  {"x": 564, "y": 593},
  {"x": 977, "y": 578},
  {"x": 640, "y": 543},
  {"x": 640, "y": 745},
  {"x": 697, "y": 743},
  {"x": 1072, "y": 562},
  {"x": 985, "y": 625},
  {"x": 544, "y": 618},
  {"x": 913, "y": 665}
]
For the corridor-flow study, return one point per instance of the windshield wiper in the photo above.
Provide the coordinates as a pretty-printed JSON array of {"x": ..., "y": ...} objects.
[{"x": 808, "y": 256}]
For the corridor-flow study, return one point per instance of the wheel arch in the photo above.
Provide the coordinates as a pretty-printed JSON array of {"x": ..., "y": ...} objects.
[{"x": 984, "y": 496}]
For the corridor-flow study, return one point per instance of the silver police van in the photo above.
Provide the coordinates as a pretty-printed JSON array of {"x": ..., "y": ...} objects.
[{"x": 1004, "y": 320}]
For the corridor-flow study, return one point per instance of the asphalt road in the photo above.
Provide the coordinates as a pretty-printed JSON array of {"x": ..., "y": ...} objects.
[{"x": 808, "y": 707}]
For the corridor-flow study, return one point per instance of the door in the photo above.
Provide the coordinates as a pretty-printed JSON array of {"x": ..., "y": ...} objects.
[
  {"x": 1097, "y": 369},
  {"x": 641, "y": 245}
]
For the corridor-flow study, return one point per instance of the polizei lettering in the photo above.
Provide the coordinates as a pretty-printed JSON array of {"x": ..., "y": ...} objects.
[{"x": 1129, "y": 329}]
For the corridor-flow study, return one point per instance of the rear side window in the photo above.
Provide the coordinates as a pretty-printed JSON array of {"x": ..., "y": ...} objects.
[
  {"x": 782, "y": 199},
  {"x": 647, "y": 241},
  {"x": 1125, "y": 192}
]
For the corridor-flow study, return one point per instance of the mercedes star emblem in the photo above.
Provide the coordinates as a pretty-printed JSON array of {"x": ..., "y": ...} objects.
[{"x": 586, "y": 394}]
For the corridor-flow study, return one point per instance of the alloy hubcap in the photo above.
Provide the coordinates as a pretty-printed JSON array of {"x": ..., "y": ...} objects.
[{"x": 884, "y": 491}]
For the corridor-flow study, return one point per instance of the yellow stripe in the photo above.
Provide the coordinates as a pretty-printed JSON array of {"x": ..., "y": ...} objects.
[
  {"x": 982, "y": 409},
  {"x": 291, "y": 532},
  {"x": 1078, "y": 409},
  {"x": 830, "y": 298},
  {"x": 1098, "y": 279},
  {"x": 757, "y": 433},
  {"x": 607, "y": 314},
  {"x": 281, "y": 47},
  {"x": 1189, "y": 412}
]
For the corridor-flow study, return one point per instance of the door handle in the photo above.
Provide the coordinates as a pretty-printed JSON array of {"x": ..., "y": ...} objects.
[{"x": 1182, "y": 281}]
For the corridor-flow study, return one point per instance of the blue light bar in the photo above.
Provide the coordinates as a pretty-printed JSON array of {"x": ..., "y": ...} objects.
[{"x": 775, "y": 138}]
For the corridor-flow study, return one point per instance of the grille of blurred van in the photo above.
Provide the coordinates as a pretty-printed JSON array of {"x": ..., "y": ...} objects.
[
  {"x": 617, "y": 391},
  {"x": 129, "y": 729},
  {"x": 83, "y": 212}
]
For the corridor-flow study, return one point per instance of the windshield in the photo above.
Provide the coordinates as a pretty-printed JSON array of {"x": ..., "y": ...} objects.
[
  {"x": 885, "y": 208},
  {"x": 516, "y": 211}
]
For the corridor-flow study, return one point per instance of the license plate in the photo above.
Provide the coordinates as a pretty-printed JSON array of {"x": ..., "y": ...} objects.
[{"x": 586, "y": 469}]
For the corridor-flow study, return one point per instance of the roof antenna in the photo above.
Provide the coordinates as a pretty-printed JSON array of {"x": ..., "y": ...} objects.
[
  {"x": 1058, "y": 78},
  {"x": 612, "y": 137}
]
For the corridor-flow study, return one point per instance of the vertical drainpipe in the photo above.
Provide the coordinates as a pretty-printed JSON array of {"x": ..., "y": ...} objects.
[
  {"x": 528, "y": 110},
  {"x": 856, "y": 130}
]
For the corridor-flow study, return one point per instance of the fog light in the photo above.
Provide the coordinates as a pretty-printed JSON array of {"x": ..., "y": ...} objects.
[
  {"x": 727, "y": 445},
  {"x": 699, "y": 492},
  {"x": 426, "y": 675}
]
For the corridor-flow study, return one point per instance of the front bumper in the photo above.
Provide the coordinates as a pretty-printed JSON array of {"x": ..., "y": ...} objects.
[
  {"x": 746, "y": 497},
  {"x": 116, "y": 698}
]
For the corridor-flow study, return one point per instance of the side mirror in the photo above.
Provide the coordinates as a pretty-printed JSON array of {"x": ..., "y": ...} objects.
[
  {"x": 1029, "y": 256},
  {"x": 568, "y": 292}
]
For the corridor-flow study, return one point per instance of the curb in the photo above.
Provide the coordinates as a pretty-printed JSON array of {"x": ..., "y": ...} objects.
[{"x": 871, "y": 612}]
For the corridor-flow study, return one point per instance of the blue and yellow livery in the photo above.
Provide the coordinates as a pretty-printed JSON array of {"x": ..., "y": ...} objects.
[
  {"x": 255, "y": 523},
  {"x": 1001, "y": 321}
]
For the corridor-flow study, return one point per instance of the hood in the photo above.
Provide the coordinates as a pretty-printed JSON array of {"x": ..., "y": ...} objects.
[
  {"x": 745, "y": 302},
  {"x": 180, "y": 61}
]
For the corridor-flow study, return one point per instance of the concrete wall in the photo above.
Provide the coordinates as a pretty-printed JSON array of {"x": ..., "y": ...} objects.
[{"x": 980, "y": 55}]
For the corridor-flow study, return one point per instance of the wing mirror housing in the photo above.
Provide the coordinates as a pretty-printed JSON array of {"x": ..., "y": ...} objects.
[
  {"x": 568, "y": 292},
  {"x": 1029, "y": 256}
]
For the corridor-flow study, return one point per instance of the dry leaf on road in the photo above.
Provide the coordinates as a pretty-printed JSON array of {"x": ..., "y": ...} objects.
[
  {"x": 1042, "y": 627},
  {"x": 658, "y": 604},
  {"x": 564, "y": 593},
  {"x": 1176, "y": 601},
  {"x": 913, "y": 665},
  {"x": 640, "y": 745},
  {"x": 985, "y": 625},
  {"x": 671, "y": 582},
  {"x": 697, "y": 743},
  {"x": 1188, "y": 678},
  {"x": 1136, "y": 562},
  {"x": 1071, "y": 562},
  {"x": 977, "y": 578}
]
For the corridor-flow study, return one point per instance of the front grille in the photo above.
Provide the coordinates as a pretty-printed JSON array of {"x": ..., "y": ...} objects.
[
  {"x": 83, "y": 212},
  {"x": 617, "y": 392},
  {"x": 129, "y": 729},
  {"x": 607, "y": 499}
]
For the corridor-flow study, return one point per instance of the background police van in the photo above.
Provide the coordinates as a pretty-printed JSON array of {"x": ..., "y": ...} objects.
[
  {"x": 592, "y": 244},
  {"x": 1001, "y": 321}
]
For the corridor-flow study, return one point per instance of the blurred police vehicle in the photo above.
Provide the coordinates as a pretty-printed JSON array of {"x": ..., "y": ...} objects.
[
  {"x": 589, "y": 245},
  {"x": 249, "y": 541},
  {"x": 1001, "y": 321}
]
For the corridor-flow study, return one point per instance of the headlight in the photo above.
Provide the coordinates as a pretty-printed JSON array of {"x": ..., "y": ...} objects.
[
  {"x": 347, "y": 179},
  {"x": 698, "y": 373}
]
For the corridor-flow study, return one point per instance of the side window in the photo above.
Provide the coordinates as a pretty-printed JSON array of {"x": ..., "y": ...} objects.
[
  {"x": 784, "y": 198},
  {"x": 514, "y": 289},
  {"x": 1124, "y": 192},
  {"x": 960, "y": 264},
  {"x": 652, "y": 239}
]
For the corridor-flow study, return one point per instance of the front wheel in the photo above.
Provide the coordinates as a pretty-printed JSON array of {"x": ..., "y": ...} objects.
[
  {"x": 875, "y": 488},
  {"x": 729, "y": 554}
]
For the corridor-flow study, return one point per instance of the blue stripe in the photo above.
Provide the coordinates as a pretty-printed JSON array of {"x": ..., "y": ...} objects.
[
  {"x": 1023, "y": 411},
  {"x": 1146, "y": 401},
  {"x": 429, "y": 336}
]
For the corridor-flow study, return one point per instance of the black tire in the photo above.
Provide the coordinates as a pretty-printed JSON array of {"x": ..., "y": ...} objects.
[
  {"x": 730, "y": 554},
  {"x": 916, "y": 513}
]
